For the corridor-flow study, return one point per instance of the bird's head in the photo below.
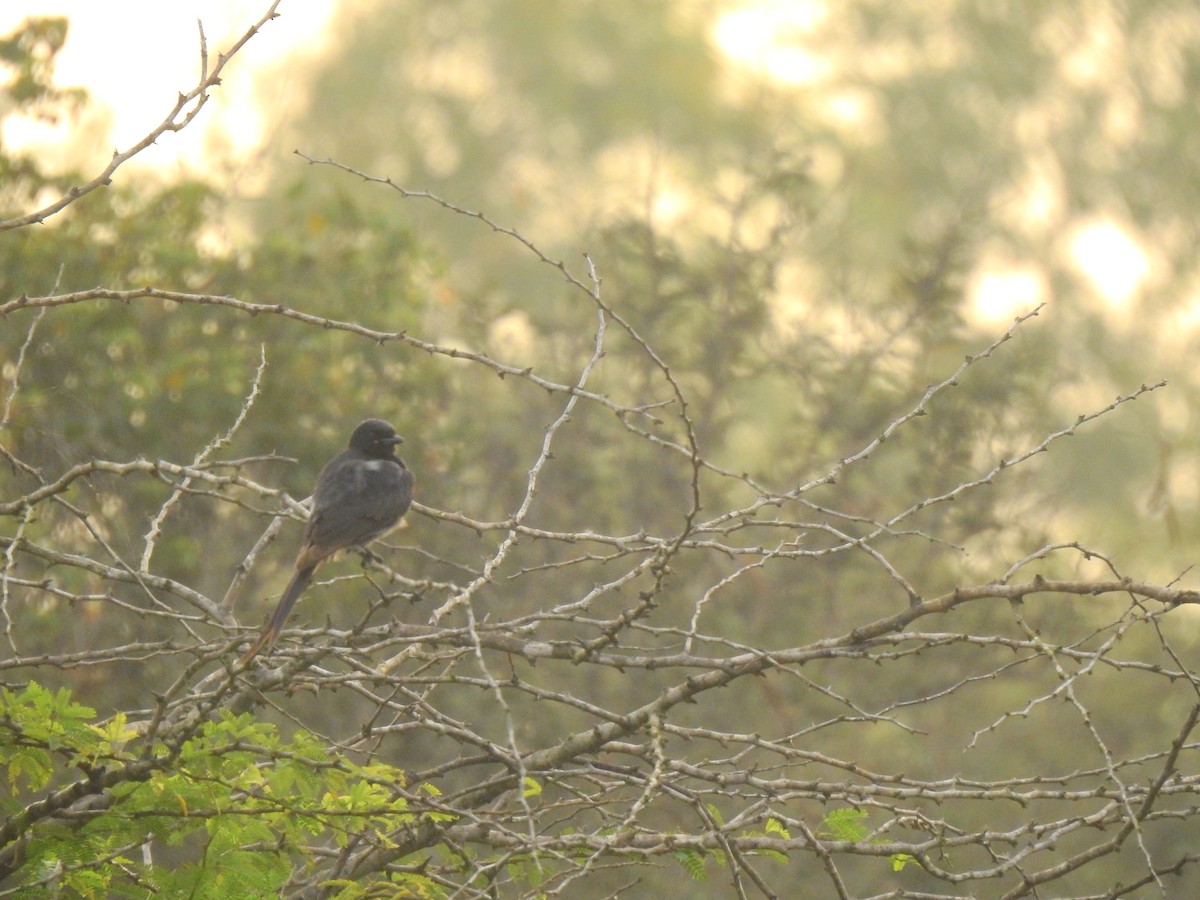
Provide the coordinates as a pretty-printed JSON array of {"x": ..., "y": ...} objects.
[{"x": 375, "y": 437}]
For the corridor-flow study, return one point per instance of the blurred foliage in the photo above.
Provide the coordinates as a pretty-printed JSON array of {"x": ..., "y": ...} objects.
[
  {"x": 27, "y": 63},
  {"x": 706, "y": 204},
  {"x": 857, "y": 208},
  {"x": 28, "y": 56},
  {"x": 800, "y": 255}
]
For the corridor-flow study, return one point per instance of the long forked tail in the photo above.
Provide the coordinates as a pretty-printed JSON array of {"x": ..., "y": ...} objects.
[{"x": 270, "y": 633}]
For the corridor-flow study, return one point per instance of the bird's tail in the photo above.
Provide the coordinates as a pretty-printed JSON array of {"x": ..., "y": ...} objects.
[{"x": 270, "y": 633}]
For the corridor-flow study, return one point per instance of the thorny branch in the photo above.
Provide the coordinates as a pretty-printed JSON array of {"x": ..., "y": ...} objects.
[{"x": 187, "y": 107}]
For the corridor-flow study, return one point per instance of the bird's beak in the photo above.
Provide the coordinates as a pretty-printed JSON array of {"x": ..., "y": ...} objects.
[{"x": 394, "y": 440}]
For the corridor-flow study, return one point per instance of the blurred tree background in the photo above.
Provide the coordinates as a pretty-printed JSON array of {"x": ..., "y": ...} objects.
[
  {"x": 812, "y": 211},
  {"x": 858, "y": 203}
]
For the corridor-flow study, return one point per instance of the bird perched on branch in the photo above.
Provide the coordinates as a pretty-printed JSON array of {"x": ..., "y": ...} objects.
[{"x": 360, "y": 495}]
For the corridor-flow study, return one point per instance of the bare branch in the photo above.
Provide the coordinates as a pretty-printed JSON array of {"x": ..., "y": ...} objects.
[{"x": 187, "y": 107}]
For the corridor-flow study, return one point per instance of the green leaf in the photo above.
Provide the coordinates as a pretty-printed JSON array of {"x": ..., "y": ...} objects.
[
  {"x": 846, "y": 824},
  {"x": 692, "y": 862},
  {"x": 775, "y": 827},
  {"x": 36, "y": 765},
  {"x": 114, "y": 735}
]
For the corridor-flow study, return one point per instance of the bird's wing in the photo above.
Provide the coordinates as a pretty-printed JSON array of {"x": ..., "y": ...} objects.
[{"x": 356, "y": 499}]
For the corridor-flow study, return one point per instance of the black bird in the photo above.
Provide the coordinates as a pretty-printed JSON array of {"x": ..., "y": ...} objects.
[{"x": 360, "y": 494}]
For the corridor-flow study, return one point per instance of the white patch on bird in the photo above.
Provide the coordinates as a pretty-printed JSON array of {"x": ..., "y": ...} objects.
[{"x": 377, "y": 465}]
